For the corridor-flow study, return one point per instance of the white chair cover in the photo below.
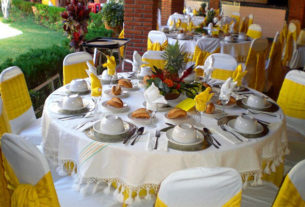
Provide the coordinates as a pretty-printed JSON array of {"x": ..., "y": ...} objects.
[
  {"x": 157, "y": 36},
  {"x": 296, "y": 176},
  {"x": 223, "y": 61},
  {"x": 174, "y": 17},
  {"x": 25, "y": 124},
  {"x": 77, "y": 57},
  {"x": 154, "y": 58},
  {"x": 202, "y": 187},
  {"x": 208, "y": 44}
]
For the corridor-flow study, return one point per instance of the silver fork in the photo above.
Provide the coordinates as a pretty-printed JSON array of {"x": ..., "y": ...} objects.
[
  {"x": 261, "y": 112},
  {"x": 158, "y": 133},
  {"x": 224, "y": 129}
]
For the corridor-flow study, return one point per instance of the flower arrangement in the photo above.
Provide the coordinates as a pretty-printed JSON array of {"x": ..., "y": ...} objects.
[{"x": 75, "y": 22}]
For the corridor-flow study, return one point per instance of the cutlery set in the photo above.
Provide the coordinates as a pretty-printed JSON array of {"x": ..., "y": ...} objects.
[{"x": 134, "y": 134}]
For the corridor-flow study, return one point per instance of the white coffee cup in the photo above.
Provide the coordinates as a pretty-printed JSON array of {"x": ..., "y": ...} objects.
[
  {"x": 256, "y": 101},
  {"x": 112, "y": 125},
  {"x": 245, "y": 124},
  {"x": 72, "y": 102},
  {"x": 145, "y": 70},
  {"x": 78, "y": 85},
  {"x": 241, "y": 36},
  {"x": 228, "y": 38},
  {"x": 184, "y": 133},
  {"x": 180, "y": 36}
]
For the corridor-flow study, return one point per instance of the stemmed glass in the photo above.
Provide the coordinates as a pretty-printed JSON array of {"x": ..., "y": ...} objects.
[{"x": 224, "y": 101}]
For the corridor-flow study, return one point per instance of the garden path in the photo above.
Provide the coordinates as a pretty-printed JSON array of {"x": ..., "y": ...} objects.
[{"x": 7, "y": 31}]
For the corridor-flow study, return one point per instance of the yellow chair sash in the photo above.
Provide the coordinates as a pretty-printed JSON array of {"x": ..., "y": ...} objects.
[
  {"x": 4, "y": 125},
  {"x": 291, "y": 38},
  {"x": 288, "y": 195},
  {"x": 159, "y": 63},
  {"x": 15, "y": 96},
  {"x": 255, "y": 65},
  {"x": 221, "y": 74},
  {"x": 190, "y": 26},
  {"x": 156, "y": 46},
  {"x": 123, "y": 47},
  {"x": 75, "y": 71},
  {"x": 200, "y": 56},
  {"x": 5, "y": 197},
  {"x": 42, "y": 194},
  {"x": 254, "y": 34},
  {"x": 233, "y": 202},
  {"x": 292, "y": 99}
]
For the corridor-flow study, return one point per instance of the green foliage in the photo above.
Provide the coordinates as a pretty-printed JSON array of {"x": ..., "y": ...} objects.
[
  {"x": 174, "y": 58},
  {"x": 113, "y": 14},
  {"x": 210, "y": 16},
  {"x": 96, "y": 27},
  {"x": 25, "y": 6},
  {"x": 39, "y": 64}
]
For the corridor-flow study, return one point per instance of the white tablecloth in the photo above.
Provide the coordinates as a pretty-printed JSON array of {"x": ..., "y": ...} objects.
[{"x": 135, "y": 167}]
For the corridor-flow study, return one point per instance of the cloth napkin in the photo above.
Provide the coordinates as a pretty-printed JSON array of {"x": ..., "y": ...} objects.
[
  {"x": 210, "y": 27},
  {"x": 110, "y": 64},
  {"x": 153, "y": 97},
  {"x": 91, "y": 69},
  {"x": 96, "y": 85},
  {"x": 227, "y": 135},
  {"x": 227, "y": 89},
  {"x": 195, "y": 12},
  {"x": 137, "y": 61},
  {"x": 239, "y": 74},
  {"x": 202, "y": 99},
  {"x": 162, "y": 142}
]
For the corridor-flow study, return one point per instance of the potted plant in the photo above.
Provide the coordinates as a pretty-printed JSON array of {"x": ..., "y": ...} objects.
[{"x": 113, "y": 16}]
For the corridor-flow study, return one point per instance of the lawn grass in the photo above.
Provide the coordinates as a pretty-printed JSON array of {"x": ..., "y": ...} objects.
[{"x": 34, "y": 36}]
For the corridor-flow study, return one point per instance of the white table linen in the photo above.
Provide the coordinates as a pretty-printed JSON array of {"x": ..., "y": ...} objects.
[{"x": 135, "y": 167}]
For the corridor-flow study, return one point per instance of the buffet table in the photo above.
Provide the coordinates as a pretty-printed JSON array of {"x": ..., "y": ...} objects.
[{"x": 138, "y": 168}]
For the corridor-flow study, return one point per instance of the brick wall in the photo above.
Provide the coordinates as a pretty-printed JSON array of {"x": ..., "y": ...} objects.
[
  {"x": 297, "y": 11},
  {"x": 140, "y": 17},
  {"x": 168, "y": 7}
]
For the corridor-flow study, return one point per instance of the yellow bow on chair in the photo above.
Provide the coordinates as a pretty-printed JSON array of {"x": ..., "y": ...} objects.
[
  {"x": 110, "y": 64},
  {"x": 96, "y": 86},
  {"x": 202, "y": 99},
  {"x": 238, "y": 74},
  {"x": 195, "y": 12},
  {"x": 200, "y": 56},
  {"x": 190, "y": 26},
  {"x": 156, "y": 46}
]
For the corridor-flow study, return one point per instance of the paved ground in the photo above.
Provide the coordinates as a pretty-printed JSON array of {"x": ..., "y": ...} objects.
[{"x": 7, "y": 31}]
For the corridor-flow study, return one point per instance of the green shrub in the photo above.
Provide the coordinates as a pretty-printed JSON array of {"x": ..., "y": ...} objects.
[
  {"x": 96, "y": 27},
  {"x": 24, "y": 6},
  {"x": 113, "y": 13}
]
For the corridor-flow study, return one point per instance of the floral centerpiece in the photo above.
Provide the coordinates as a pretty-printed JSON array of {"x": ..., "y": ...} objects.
[{"x": 168, "y": 81}]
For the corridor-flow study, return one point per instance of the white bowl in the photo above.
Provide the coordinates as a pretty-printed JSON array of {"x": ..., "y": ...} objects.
[
  {"x": 256, "y": 101},
  {"x": 184, "y": 133},
  {"x": 111, "y": 124},
  {"x": 145, "y": 70},
  {"x": 78, "y": 85},
  {"x": 180, "y": 36},
  {"x": 245, "y": 124},
  {"x": 72, "y": 102}
]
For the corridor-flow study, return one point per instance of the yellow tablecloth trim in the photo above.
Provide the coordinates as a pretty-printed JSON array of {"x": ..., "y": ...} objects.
[
  {"x": 15, "y": 96},
  {"x": 292, "y": 99},
  {"x": 156, "y": 46},
  {"x": 75, "y": 71}
]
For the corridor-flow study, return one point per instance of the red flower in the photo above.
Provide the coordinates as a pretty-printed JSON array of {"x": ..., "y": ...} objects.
[
  {"x": 64, "y": 15},
  {"x": 178, "y": 86},
  {"x": 153, "y": 76},
  {"x": 76, "y": 36},
  {"x": 169, "y": 82}
]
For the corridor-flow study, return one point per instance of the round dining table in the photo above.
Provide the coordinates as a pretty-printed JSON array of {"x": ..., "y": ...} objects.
[{"x": 138, "y": 167}]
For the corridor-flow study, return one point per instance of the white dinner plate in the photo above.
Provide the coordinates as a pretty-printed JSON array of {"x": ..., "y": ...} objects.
[
  {"x": 114, "y": 109},
  {"x": 123, "y": 94},
  {"x": 259, "y": 128},
  {"x": 88, "y": 105},
  {"x": 268, "y": 104}
]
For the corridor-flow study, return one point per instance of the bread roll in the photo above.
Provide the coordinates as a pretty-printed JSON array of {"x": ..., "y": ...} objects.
[
  {"x": 141, "y": 113},
  {"x": 115, "y": 102},
  {"x": 116, "y": 90},
  {"x": 210, "y": 108},
  {"x": 125, "y": 83},
  {"x": 176, "y": 113},
  {"x": 231, "y": 101}
]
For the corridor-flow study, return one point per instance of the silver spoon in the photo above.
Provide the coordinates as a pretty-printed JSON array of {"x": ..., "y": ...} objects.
[{"x": 139, "y": 133}]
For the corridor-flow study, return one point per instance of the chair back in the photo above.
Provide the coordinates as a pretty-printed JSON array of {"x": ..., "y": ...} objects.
[
  {"x": 4, "y": 126},
  {"x": 173, "y": 18},
  {"x": 205, "y": 46},
  {"x": 28, "y": 173},
  {"x": 74, "y": 66},
  {"x": 297, "y": 24},
  {"x": 290, "y": 45},
  {"x": 251, "y": 19},
  {"x": 292, "y": 191},
  {"x": 243, "y": 26},
  {"x": 16, "y": 99},
  {"x": 154, "y": 58},
  {"x": 201, "y": 187},
  {"x": 255, "y": 64},
  {"x": 255, "y": 31},
  {"x": 292, "y": 99},
  {"x": 223, "y": 67},
  {"x": 275, "y": 72},
  {"x": 156, "y": 41}
]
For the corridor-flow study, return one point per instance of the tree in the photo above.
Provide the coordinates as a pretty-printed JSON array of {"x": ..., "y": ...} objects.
[{"x": 5, "y": 5}]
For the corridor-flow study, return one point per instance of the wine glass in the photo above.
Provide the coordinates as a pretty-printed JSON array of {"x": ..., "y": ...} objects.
[{"x": 224, "y": 101}]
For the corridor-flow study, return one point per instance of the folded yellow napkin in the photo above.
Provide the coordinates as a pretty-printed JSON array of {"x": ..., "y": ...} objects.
[
  {"x": 190, "y": 26},
  {"x": 199, "y": 72},
  {"x": 96, "y": 86},
  {"x": 110, "y": 64},
  {"x": 238, "y": 74},
  {"x": 202, "y": 99},
  {"x": 186, "y": 105},
  {"x": 195, "y": 12}
]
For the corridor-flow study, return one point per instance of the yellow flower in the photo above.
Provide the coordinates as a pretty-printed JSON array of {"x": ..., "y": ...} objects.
[
  {"x": 110, "y": 64},
  {"x": 202, "y": 99},
  {"x": 238, "y": 74}
]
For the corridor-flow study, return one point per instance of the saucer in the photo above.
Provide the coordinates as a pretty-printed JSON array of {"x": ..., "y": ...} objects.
[
  {"x": 123, "y": 94},
  {"x": 268, "y": 105},
  {"x": 259, "y": 128},
  {"x": 88, "y": 105},
  {"x": 83, "y": 92},
  {"x": 160, "y": 108},
  {"x": 225, "y": 106},
  {"x": 141, "y": 121},
  {"x": 114, "y": 109},
  {"x": 97, "y": 128},
  {"x": 177, "y": 120}
]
